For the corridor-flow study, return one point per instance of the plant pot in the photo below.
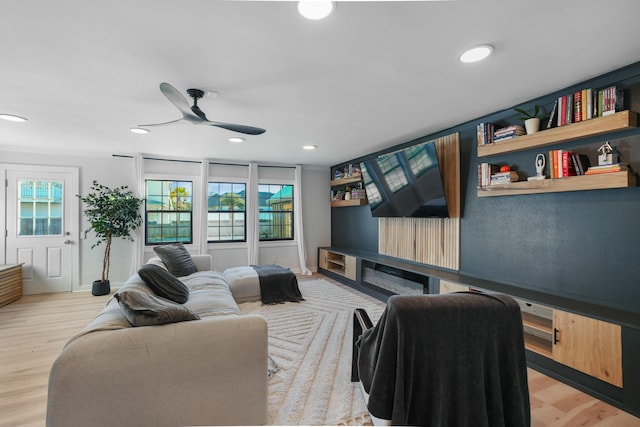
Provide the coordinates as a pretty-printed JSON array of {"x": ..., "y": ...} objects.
[
  {"x": 532, "y": 125},
  {"x": 100, "y": 288}
]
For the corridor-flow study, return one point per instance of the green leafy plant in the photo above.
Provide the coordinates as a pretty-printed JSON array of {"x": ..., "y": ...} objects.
[
  {"x": 526, "y": 115},
  {"x": 112, "y": 212}
]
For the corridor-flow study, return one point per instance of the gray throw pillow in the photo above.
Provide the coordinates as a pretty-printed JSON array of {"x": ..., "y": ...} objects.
[
  {"x": 164, "y": 283},
  {"x": 142, "y": 309},
  {"x": 177, "y": 259}
]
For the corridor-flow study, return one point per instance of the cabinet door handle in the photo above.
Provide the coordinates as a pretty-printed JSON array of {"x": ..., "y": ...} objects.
[{"x": 556, "y": 339}]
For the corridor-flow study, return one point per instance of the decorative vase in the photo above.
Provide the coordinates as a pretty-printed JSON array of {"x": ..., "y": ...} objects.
[
  {"x": 100, "y": 288},
  {"x": 532, "y": 125}
]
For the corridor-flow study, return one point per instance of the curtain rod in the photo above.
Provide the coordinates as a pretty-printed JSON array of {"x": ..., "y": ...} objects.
[{"x": 199, "y": 162}]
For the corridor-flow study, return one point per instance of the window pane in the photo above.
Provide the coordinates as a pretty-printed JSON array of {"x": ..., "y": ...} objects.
[
  {"x": 226, "y": 203},
  {"x": 168, "y": 211},
  {"x": 39, "y": 208},
  {"x": 275, "y": 214}
]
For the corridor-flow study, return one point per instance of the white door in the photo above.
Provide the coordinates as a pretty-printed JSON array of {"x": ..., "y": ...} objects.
[{"x": 42, "y": 223}]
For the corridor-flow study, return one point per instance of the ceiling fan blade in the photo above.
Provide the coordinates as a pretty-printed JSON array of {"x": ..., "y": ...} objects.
[
  {"x": 162, "y": 124},
  {"x": 179, "y": 101},
  {"x": 249, "y": 130}
]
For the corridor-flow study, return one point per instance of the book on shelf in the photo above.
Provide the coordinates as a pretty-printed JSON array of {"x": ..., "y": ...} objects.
[
  {"x": 485, "y": 170},
  {"x": 577, "y": 106},
  {"x": 585, "y": 104},
  {"x": 563, "y": 163},
  {"x": 484, "y": 133},
  {"x": 552, "y": 117},
  {"x": 616, "y": 167},
  {"x": 504, "y": 177},
  {"x": 508, "y": 132}
]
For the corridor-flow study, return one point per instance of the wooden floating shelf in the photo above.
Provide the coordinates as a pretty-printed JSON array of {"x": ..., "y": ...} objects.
[
  {"x": 348, "y": 180},
  {"x": 621, "y": 179},
  {"x": 352, "y": 202},
  {"x": 593, "y": 127}
]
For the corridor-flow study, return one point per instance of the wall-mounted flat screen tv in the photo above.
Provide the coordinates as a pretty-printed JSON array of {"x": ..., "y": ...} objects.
[{"x": 405, "y": 183}]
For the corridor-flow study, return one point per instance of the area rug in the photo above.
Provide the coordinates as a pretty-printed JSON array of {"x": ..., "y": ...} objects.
[{"x": 311, "y": 344}]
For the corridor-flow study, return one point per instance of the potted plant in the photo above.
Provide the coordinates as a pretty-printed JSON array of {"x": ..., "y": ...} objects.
[
  {"x": 531, "y": 121},
  {"x": 111, "y": 212}
]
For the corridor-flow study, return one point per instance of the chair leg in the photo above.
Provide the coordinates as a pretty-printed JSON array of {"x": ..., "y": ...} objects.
[{"x": 361, "y": 322}]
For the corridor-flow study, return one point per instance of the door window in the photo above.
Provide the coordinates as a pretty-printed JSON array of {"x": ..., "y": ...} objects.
[{"x": 40, "y": 208}]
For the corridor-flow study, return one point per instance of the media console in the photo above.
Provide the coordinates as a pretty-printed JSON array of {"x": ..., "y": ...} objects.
[{"x": 382, "y": 276}]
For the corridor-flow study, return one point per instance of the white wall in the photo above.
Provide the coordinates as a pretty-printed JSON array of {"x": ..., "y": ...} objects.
[{"x": 116, "y": 171}]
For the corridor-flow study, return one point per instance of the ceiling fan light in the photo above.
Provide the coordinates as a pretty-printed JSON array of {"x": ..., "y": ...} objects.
[
  {"x": 236, "y": 139},
  {"x": 139, "y": 130},
  {"x": 315, "y": 9},
  {"x": 12, "y": 118},
  {"x": 477, "y": 53}
]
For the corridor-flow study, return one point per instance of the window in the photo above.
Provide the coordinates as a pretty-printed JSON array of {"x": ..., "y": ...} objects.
[
  {"x": 40, "y": 208},
  {"x": 275, "y": 211},
  {"x": 168, "y": 211},
  {"x": 226, "y": 217}
]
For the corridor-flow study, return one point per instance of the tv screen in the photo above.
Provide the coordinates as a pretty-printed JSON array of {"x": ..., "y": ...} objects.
[{"x": 405, "y": 183}]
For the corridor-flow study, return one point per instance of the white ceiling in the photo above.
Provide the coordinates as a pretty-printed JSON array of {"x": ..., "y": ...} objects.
[{"x": 370, "y": 76}]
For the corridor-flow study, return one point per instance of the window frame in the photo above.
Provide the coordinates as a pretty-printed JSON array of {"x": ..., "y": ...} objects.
[
  {"x": 257, "y": 210},
  {"x": 219, "y": 180},
  {"x": 192, "y": 211}
]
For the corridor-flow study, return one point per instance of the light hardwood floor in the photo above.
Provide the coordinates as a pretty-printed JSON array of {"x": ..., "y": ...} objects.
[{"x": 34, "y": 329}]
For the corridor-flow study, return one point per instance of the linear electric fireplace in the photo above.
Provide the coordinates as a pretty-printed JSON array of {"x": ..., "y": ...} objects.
[{"x": 392, "y": 280}]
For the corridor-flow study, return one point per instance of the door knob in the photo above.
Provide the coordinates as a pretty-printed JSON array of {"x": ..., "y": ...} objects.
[{"x": 67, "y": 242}]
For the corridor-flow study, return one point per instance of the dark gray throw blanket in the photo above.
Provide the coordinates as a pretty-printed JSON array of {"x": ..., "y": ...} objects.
[
  {"x": 277, "y": 284},
  {"x": 447, "y": 360}
]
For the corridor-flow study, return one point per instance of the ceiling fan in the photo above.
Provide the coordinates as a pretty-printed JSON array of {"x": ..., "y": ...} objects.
[{"x": 194, "y": 114}]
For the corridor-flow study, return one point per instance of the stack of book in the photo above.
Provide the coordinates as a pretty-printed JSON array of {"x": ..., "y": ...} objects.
[
  {"x": 504, "y": 177},
  {"x": 563, "y": 163},
  {"x": 616, "y": 167},
  {"x": 508, "y": 132},
  {"x": 586, "y": 104}
]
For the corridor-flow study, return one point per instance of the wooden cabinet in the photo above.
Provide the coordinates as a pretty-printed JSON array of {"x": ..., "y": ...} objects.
[
  {"x": 588, "y": 345},
  {"x": 598, "y": 126},
  {"x": 582, "y": 343},
  {"x": 10, "y": 283},
  {"x": 344, "y": 265}
]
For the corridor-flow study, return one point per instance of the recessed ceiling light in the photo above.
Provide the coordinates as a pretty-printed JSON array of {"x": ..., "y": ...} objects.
[
  {"x": 12, "y": 118},
  {"x": 309, "y": 147},
  {"x": 476, "y": 54},
  {"x": 236, "y": 139},
  {"x": 139, "y": 130},
  {"x": 315, "y": 9}
]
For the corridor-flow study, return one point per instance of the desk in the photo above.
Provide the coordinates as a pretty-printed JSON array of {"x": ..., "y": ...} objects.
[{"x": 10, "y": 283}]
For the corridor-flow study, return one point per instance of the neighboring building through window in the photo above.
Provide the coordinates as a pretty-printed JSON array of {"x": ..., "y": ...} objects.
[
  {"x": 275, "y": 211},
  {"x": 226, "y": 212},
  {"x": 168, "y": 211}
]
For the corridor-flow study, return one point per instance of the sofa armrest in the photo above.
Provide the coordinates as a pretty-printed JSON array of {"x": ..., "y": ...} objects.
[
  {"x": 203, "y": 262},
  {"x": 202, "y": 372}
]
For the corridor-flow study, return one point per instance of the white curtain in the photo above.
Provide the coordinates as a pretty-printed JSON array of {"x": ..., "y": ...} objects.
[
  {"x": 253, "y": 237},
  {"x": 138, "y": 234},
  {"x": 204, "y": 178},
  {"x": 297, "y": 214}
]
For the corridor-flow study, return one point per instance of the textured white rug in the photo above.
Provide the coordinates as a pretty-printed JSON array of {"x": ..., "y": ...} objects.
[{"x": 311, "y": 343}]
